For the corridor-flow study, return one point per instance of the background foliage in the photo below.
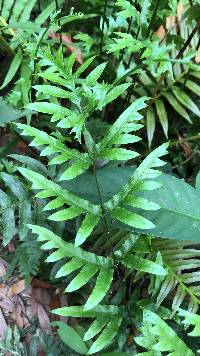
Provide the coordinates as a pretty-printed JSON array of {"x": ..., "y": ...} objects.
[{"x": 94, "y": 95}]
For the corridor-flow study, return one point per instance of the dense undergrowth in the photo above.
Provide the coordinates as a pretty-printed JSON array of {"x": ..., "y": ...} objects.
[{"x": 99, "y": 184}]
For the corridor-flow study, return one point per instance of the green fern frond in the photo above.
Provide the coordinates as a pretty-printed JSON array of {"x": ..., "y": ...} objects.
[
  {"x": 81, "y": 161},
  {"x": 97, "y": 95},
  {"x": 128, "y": 196},
  {"x": 182, "y": 261},
  {"x": 89, "y": 264},
  {"x": 107, "y": 322},
  {"x": 159, "y": 337},
  {"x": 191, "y": 319}
]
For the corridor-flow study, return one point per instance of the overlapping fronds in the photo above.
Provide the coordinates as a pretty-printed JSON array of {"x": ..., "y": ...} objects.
[
  {"x": 182, "y": 282},
  {"x": 159, "y": 337}
]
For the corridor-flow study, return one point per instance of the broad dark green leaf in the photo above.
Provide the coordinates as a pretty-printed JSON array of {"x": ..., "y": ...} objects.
[
  {"x": 71, "y": 338},
  {"x": 179, "y": 202}
]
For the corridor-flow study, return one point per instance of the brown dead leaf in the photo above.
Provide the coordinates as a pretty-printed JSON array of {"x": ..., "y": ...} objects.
[
  {"x": 2, "y": 268},
  {"x": 63, "y": 303},
  {"x": 11, "y": 247},
  {"x": 16, "y": 288},
  {"x": 197, "y": 58},
  {"x": 55, "y": 302},
  {"x": 34, "y": 305},
  {"x": 67, "y": 40},
  {"x": 7, "y": 304},
  {"x": 3, "y": 290},
  {"x": 186, "y": 149},
  {"x": 42, "y": 296},
  {"x": 39, "y": 283},
  {"x": 3, "y": 326},
  {"x": 43, "y": 319},
  {"x": 16, "y": 315},
  {"x": 160, "y": 32},
  {"x": 170, "y": 22},
  {"x": 179, "y": 10}
]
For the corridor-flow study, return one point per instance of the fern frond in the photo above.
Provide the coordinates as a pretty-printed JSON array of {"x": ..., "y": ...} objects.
[
  {"x": 182, "y": 261},
  {"x": 129, "y": 194},
  {"x": 160, "y": 337},
  {"x": 80, "y": 163},
  {"x": 89, "y": 263},
  {"x": 191, "y": 319},
  {"x": 77, "y": 205},
  {"x": 107, "y": 317},
  {"x": 97, "y": 94}
]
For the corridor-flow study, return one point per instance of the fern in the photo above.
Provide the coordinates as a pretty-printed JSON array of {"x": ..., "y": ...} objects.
[
  {"x": 176, "y": 92},
  {"x": 16, "y": 15},
  {"x": 191, "y": 319},
  {"x": 72, "y": 206},
  {"x": 159, "y": 337},
  {"x": 85, "y": 236},
  {"x": 182, "y": 261},
  {"x": 159, "y": 59}
]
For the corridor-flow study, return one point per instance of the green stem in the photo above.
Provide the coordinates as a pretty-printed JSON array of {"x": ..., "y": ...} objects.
[
  {"x": 35, "y": 59},
  {"x": 101, "y": 201},
  {"x": 187, "y": 42}
]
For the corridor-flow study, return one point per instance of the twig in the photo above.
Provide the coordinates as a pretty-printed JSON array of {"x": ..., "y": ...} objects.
[
  {"x": 35, "y": 59},
  {"x": 187, "y": 42},
  {"x": 182, "y": 140},
  {"x": 187, "y": 160}
]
